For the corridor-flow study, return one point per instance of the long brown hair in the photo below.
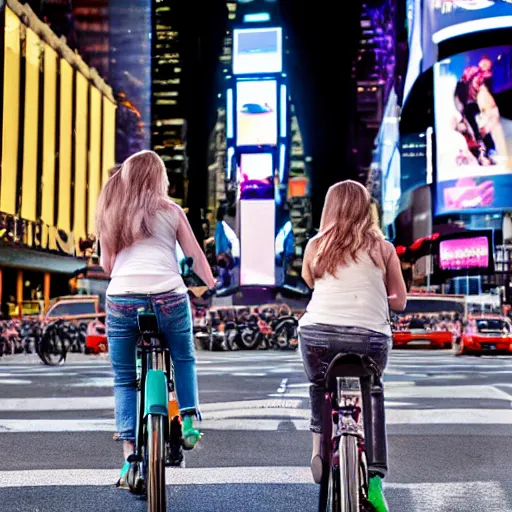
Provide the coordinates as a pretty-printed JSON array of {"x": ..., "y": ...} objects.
[
  {"x": 347, "y": 228},
  {"x": 130, "y": 199}
]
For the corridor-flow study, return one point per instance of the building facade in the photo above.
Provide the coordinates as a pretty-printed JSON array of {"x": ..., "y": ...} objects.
[{"x": 57, "y": 145}]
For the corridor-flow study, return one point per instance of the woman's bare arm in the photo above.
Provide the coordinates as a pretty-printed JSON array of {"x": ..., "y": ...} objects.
[
  {"x": 397, "y": 291},
  {"x": 307, "y": 261},
  {"x": 106, "y": 257},
  {"x": 192, "y": 249}
]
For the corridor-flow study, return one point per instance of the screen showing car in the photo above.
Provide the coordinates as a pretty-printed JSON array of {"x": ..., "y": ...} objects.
[
  {"x": 257, "y": 50},
  {"x": 473, "y": 114},
  {"x": 464, "y": 253},
  {"x": 256, "y": 119}
]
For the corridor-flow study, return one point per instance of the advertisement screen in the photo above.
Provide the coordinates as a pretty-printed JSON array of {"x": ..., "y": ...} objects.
[
  {"x": 256, "y": 176},
  {"x": 257, "y": 245},
  {"x": 256, "y": 113},
  {"x": 445, "y": 19},
  {"x": 256, "y": 166},
  {"x": 473, "y": 111},
  {"x": 257, "y": 50},
  {"x": 464, "y": 253}
]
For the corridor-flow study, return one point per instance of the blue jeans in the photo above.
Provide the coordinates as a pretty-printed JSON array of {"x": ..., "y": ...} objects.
[{"x": 175, "y": 323}]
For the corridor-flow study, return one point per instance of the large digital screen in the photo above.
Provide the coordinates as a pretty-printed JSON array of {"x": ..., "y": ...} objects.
[
  {"x": 256, "y": 176},
  {"x": 473, "y": 111},
  {"x": 452, "y": 18},
  {"x": 464, "y": 253},
  {"x": 257, "y": 265},
  {"x": 257, "y": 50},
  {"x": 256, "y": 113},
  {"x": 445, "y": 19},
  {"x": 256, "y": 166}
]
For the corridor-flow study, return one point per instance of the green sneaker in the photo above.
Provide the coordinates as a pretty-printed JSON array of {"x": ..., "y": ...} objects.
[
  {"x": 191, "y": 435},
  {"x": 122, "y": 482},
  {"x": 376, "y": 494}
]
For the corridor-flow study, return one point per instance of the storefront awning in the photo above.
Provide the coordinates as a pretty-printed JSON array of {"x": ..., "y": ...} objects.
[{"x": 29, "y": 259}]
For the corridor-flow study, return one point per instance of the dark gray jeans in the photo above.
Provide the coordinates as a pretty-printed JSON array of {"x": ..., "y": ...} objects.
[{"x": 320, "y": 344}]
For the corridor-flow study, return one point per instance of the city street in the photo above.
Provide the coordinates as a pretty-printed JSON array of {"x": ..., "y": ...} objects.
[{"x": 450, "y": 431}]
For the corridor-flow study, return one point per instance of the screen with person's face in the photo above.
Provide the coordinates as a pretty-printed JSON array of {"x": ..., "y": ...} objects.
[
  {"x": 473, "y": 113},
  {"x": 256, "y": 117}
]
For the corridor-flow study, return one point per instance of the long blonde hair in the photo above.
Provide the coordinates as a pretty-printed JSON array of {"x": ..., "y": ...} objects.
[
  {"x": 347, "y": 228},
  {"x": 130, "y": 199}
]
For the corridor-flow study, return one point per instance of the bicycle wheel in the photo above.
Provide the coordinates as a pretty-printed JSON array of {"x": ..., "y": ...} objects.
[
  {"x": 156, "y": 463},
  {"x": 349, "y": 475}
]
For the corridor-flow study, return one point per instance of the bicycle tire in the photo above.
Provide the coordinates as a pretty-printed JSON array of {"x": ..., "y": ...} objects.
[
  {"x": 349, "y": 475},
  {"x": 156, "y": 463}
]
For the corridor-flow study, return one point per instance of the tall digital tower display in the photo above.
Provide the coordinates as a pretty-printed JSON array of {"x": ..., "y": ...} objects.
[{"x": 257, "y": 138}]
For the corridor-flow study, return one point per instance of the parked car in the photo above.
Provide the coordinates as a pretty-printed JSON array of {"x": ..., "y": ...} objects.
[{"x": 73, "y": 308}]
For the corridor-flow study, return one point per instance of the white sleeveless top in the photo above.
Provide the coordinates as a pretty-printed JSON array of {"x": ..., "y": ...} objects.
[
  {"x": 355, "y": 297},
  {"x": 149, "y": 265}
]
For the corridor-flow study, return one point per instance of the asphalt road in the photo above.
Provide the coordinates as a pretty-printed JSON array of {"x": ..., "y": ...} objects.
[{"x": 449, "y": 424}]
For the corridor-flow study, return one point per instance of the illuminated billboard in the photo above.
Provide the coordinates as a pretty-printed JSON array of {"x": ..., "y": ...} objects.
[
  {"x": 452, "y": 18},
  {"x": 473, "y": 93},
  {"x": 256, "y": 176},
  {"x": 256, "y": 113},
  {"x": 446, "y": 19},
  {"x": 257, "y": 50},
  {"x": 464, "y": 253},
  {"x": 257, "y": 245}
]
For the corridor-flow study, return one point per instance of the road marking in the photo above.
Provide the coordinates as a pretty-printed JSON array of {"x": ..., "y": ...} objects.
[
  {"x": 15, "y": 381},
  {"x": 282, "y": 387},
  {"x": 272, "y": 420},
  {"x": 107, "y": 402},
  {"x": 434, "y": 497},
  {"x": 475, "y": 392},
  {"x": 57, "y": 404}
]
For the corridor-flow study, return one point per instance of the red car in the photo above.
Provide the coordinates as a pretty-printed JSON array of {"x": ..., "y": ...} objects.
[
  {"x": 422, "y": 339},
  {"x": 485, "y": 334}
]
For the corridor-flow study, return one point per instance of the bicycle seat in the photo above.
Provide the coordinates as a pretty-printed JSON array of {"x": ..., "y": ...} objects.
[
  {"x": 147, "y": 321},
  {"x": 349, "y": 365}
]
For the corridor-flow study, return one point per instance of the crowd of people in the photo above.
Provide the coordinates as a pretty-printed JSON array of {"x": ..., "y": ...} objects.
[{"x": 445, "y": 322}]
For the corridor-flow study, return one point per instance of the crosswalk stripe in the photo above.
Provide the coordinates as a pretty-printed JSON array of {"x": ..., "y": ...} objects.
[
  {"x": 434, "y": 497},
  {"x": 272, "y": 420}
]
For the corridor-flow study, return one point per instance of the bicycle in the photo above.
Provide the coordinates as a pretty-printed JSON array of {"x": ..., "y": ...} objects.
[
  {"x": 349, "y": 381},
  {"x": 158, "y": 441}
]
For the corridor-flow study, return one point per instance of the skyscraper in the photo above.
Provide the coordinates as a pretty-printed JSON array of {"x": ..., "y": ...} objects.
[
  {"x": 168, "y": 128},
  {"x": 92, "y": 33},
  {"x": 130, "y": 64}
]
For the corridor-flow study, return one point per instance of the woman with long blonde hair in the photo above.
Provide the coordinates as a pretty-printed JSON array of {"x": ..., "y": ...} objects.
[
  {"x": 355, "y": 276},
  {"x": 138, "y": 228}
]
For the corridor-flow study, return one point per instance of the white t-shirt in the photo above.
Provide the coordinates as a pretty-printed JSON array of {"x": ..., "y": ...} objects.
[{"x": 355, "y": 297}]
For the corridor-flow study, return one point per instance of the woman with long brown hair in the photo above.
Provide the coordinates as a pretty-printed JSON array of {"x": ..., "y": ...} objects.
[
  {"x": 138, "y": 227},
  {"x": 355, "y": 276}
]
